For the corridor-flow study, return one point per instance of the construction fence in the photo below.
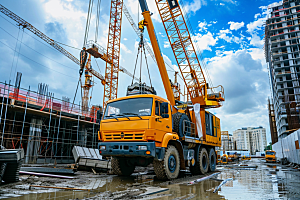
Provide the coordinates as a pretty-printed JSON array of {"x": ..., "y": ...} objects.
[
  {"x": 288, "y": 147},
  {"x": 45, "y": 127}
]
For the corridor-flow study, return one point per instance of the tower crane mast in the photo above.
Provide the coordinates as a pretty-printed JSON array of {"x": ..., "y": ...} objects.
[{"x": 113, "y": 51}]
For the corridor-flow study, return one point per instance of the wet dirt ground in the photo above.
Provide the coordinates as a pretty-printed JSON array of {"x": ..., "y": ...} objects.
[{"x": 268, "y": 181}]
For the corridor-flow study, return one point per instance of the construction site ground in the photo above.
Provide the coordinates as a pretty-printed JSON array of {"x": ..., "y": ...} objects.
[{"x": 267, "y": 181}]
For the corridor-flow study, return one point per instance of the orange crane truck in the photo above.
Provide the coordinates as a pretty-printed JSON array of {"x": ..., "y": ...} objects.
[
  {"x": 140, "y": 129},
  {"x": 270, "y": 156}
]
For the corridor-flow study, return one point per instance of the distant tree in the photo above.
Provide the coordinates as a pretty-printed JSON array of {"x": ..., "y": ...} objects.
[{"x": 269, "y": 147}]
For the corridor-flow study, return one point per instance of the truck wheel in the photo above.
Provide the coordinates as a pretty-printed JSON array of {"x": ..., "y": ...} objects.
[
  {"x": 212, "y": 160},
  {"x": 201, "y": 166},
  {"x": 169, "y": 167},
  {"x": 121, "y": 167},
  {"x": 178, "y": 121}
]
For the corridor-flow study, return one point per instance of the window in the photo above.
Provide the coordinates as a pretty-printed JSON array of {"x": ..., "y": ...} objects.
[
  {"x": 129, "y": 107},
  {"x": 270, "y": 153},
  {"x": 157, "y": 106}
]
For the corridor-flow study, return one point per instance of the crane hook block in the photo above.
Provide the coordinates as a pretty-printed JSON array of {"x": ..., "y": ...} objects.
[
  {"x": 142, "y": 25},
  {"x": 83, "y": 57}
]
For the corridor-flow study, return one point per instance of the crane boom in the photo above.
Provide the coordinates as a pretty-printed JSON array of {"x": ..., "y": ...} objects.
[
  {"x": 159, "y": 59},
  {"x": 185, "y": 54}
]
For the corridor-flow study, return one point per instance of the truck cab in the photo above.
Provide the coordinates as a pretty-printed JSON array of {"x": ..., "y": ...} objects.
[
  {"x": 135, "y": 126},
  {"x": 270, "y": 156}
]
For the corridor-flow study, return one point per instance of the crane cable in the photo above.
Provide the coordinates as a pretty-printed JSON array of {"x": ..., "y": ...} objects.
[
  {"x": 91, "y": 92},
  {"x": 147, "y": 65},
  {"x": 97, "y": 20},
  {"x": 12, "y": 65},
  {"x": 137, "y": 56},
  {"x": 75, "y": 94},
  {"x": 15, "y": 73},
  {"x": 88, "y": 21},
  {"x": 140, "y": 49},
  {"x": 141, "y": 63}
]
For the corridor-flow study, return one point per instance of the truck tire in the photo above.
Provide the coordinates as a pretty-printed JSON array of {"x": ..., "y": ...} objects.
[
  {"x": 201, "y": 166},
  {"x": 212, "y": 160},
  {"x": 121, "y": 167},
  {"x": 169, "y": 167},
  {"x": 178, "y": 119}
]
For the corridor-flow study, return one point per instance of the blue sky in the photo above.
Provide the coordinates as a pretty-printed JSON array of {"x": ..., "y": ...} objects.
[{"x": 228, "y": 33}]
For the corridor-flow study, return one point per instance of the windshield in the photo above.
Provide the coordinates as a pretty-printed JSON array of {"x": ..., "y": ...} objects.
[
  {"x": 129, "y": 107},
  {"x": 270, "y": 153}
]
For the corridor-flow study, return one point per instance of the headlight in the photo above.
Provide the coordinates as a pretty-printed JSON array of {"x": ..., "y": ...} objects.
[
  {"x": 142, "y": 148},
  {"x": 102, "y": 147}
]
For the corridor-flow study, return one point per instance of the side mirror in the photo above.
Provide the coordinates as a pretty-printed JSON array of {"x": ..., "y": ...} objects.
[{"x": 164, "y": 109}]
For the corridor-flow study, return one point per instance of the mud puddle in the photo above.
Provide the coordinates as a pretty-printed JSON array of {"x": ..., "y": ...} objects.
[{"x": 268, "y": 181}]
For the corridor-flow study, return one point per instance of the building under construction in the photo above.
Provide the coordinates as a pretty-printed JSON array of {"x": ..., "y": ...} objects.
[
  {"x": 46, "y": 128},
  {"x": 282, "y": 53}
]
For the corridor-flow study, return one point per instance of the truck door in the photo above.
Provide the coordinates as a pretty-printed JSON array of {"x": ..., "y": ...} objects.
[{"x": 163, "y": 123}]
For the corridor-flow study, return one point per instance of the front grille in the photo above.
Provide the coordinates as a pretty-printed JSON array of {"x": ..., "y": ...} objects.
[{"x": 124, "y": 136}]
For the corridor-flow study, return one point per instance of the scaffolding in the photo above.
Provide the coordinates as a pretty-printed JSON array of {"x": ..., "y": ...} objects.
[
  {"x": 45, "y": 127},
  {"x": 272, "y": 120}
]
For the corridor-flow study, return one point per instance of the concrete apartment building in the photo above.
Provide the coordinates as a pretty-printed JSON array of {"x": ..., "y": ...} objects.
[
  {"x": 282, "y": 47},
  {"x": 227, "y": 141},
  {"x": 251, "y": 139}
]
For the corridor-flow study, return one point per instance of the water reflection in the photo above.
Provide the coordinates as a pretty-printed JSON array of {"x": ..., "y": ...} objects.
[{"x": 268, "y": 181}]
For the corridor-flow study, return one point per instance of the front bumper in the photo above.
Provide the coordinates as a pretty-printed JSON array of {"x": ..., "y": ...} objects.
[
  {"x": 127, "y": 149},
  {"x": 271, "y": 159}
]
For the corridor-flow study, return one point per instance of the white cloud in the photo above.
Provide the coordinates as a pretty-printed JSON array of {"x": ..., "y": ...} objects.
[
  {"x": 169, "y": 62},
  {"x": 124, "y": 48},
  {"x": 236, "y": 25},
  {"x": 202, "y": 26},
  {"x": 125, "y": 39},
  {"x": 225, "y": 31},
  {"x": 194, "y": 6},
  {"x": 214, "y": 22},
  {"x": 166, "y": 44},
  {"x": 227, "y": 35},
  {"x": 256, "y": 25},
  {"x": 64, "y": 12},
  {"x": 247, "y": 79},
  {"x": 162, "y": 34},
  {"x": 257, "y": 15},
  {"x": 222, "y": 4},
  {"x": 205, "y": 42},
  {"x": 254, "y": 28},
  {"x": 256, "y": 41},
  {"x": 260, "y": 19}
]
